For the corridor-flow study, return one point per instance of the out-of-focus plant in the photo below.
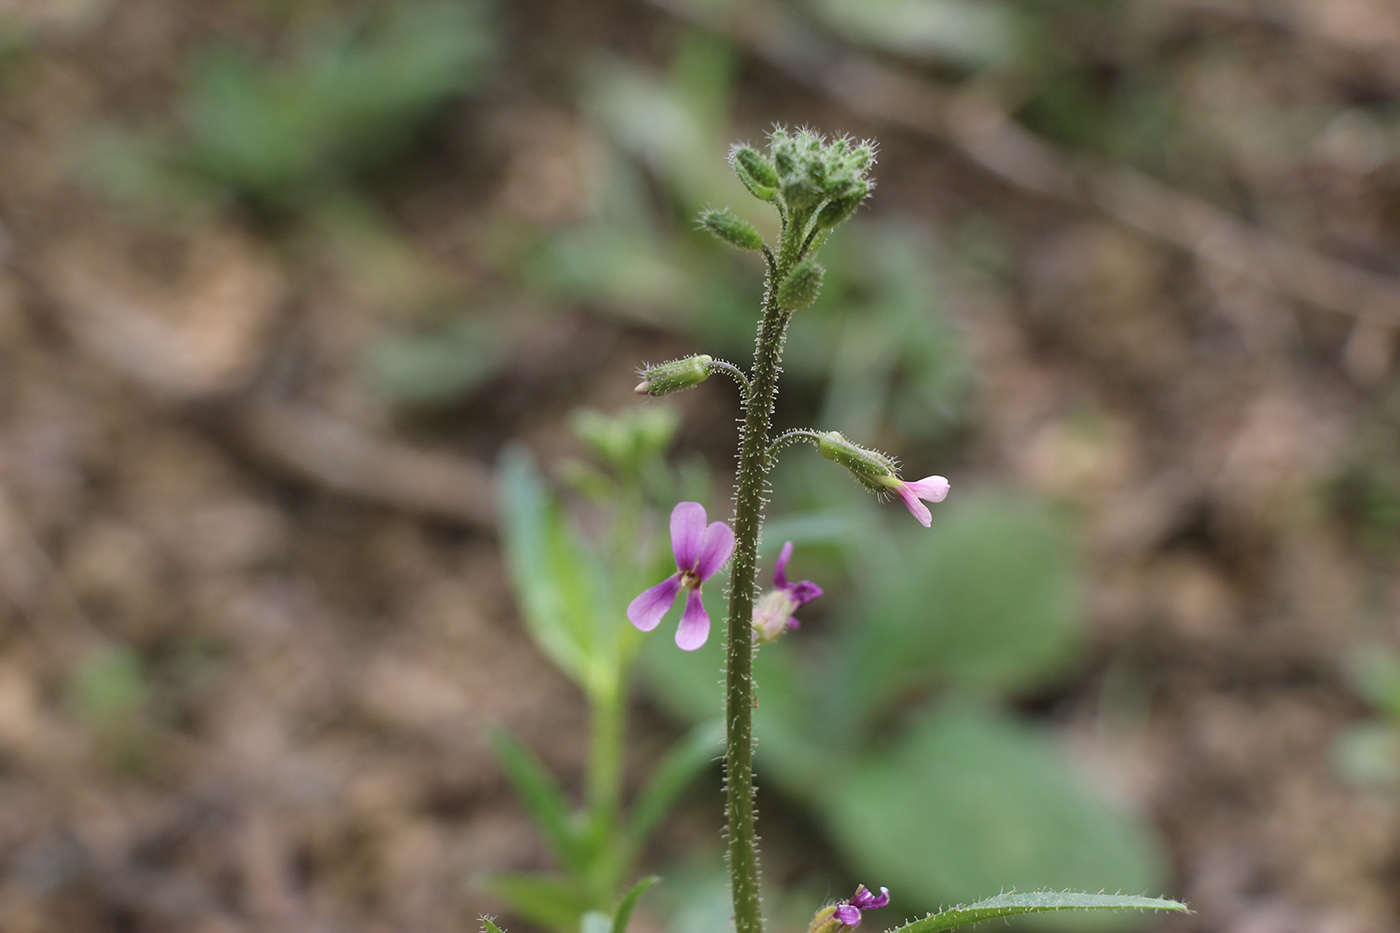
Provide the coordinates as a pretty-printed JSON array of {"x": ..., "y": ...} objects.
[
  {"x": 1368, "y": 753},
  {"x": 287, "y": 133},
  {"x": 572, "y": 589},
  {"x": 815, "y": 185}
]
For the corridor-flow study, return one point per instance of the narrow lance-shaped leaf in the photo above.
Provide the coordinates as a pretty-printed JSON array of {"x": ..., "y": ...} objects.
[
  {"x": 686, "y": 759},
  {"x": 488, "y": 927},
  {"x": 1012, "y": 904},
  {"x": 623, "y": 916},
  {"x": 541, "y": 796}
]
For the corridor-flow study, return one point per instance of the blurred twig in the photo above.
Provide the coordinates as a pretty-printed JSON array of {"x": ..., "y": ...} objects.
[{"x": 980, "y": 129}]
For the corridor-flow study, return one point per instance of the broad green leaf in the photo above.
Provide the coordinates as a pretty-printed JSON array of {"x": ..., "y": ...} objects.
[
  {"x": 556, "y": 580},
  {"x": 686, "y": 759},
  {"x": 987, "y": 598},
  {"x": 1010, "y": 905},
  {"x": 542, "y": 798},
  {"x": 623, "y": 915},
  {"x": 553, "y": 902},
  {"x": 969, "y": 801},
  {"x": 435, "y": 367}
]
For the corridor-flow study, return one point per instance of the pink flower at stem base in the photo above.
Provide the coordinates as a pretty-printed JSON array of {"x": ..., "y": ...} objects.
[
  {"x": 848, "y": 912},
  {"x": 773, "y": 614},
  {"x": 700, "y": 550}
]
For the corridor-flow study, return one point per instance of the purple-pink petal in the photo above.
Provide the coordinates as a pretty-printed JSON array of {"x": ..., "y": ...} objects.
[
  {"x": 881, "y": 901},
  {"x": 717, "y": 546},
  {"x": 930, "y": 488},
  {"x": 780, "y": 568},
  {"x": 804, "y": 592},
  {"x": 687, "y": 533},
  {"x": 647, "y": 610},
  {"x": 912, "y": 503},
  {"x": 848, "y": 915},
  {"x": 694, "y": 630}
]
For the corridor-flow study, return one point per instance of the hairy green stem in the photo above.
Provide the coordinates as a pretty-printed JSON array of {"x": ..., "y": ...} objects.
[{"x": 739, "y": 648}]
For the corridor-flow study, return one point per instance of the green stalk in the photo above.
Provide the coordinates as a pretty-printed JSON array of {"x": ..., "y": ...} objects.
[
  {"x": 605, "y": 789},
  {"x": 748, "y": 522}
]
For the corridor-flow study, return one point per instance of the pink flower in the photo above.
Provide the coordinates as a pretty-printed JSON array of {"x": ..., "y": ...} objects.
[
  {"x": 848, "y": 912},
  {"x": 700, "y": 550},
  {"x": 930, "y": 488},
  {"x": 773, "y": 614}
]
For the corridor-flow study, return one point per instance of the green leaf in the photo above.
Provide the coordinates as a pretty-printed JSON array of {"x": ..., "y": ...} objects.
[
  {"x": 556, "y": 580},
  {"x": 623, "y": 915},
  {"x": 541, "y": 796},
  {"x": 488, "y": 927},
  {"x": 987, "y": 598},
  {"x": 959, "y": 32},
  {"x": 686, "y": 759},
  {"x": 1009, "y": 905},
  {"x": 434, "y": 367},
  {"x": 543, "y": 900},
  {"x": 969, "y": 801}
]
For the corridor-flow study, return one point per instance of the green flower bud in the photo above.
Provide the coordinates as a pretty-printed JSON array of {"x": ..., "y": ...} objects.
[
  {"x": 800, "y": 288},
  {"x": 731, "y": 228},
  {"x": 825, "y": 921},
  {"x": 866, "y": 465},
  {"x": 755, "y": 172},
  {"x": 840, "y": 208},
  {"x": 665, "y": 378}
]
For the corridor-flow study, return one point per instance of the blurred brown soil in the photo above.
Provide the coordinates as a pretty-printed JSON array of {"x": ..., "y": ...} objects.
[{"x": 191, "y": 466}]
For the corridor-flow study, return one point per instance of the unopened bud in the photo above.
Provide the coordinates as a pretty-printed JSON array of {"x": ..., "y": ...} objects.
[
  {"x": 755, "y": 172},
  {"x": 800, "y": 288},
  {"x": 868, "y": 466},
  {"x": 665, "y": 378},
  {"x": 838, "y": 209},
  {"x": 731, "y": 228}
]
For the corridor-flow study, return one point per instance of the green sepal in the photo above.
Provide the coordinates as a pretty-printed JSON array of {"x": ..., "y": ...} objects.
[
  {"x": 868, "y": 466},
  {"x": 755, "y": 172},
  {"x": 731, "y": 228},
  {"x": 665, "y": 378},
  {"x": 801, "y": 286},
  {"x": 838, "y": 209},
  {"x": 1012, "y": 904}
]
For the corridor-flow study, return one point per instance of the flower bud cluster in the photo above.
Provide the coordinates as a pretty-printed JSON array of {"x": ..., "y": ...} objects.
[{"x": 807, "y": 173}]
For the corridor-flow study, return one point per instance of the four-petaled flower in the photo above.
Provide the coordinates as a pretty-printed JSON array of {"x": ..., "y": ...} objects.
[
  {"x": 932, "y": 488},
  {"x": 773, "y": 614},
  {"x": 848, "y": 912},
  {"x": 700, "y": 550}
]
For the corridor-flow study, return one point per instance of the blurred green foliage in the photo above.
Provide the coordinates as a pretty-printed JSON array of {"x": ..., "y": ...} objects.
[{"x": 281, "y": 134}]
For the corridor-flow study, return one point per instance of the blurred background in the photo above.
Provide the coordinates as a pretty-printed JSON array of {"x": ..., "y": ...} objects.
[{"x": 291, "y": 290}]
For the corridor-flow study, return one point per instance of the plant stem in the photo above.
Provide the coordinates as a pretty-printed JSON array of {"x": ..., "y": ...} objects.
[
  {"x": 605, "y": 787},
  {"x": 748, "y": 521}
]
